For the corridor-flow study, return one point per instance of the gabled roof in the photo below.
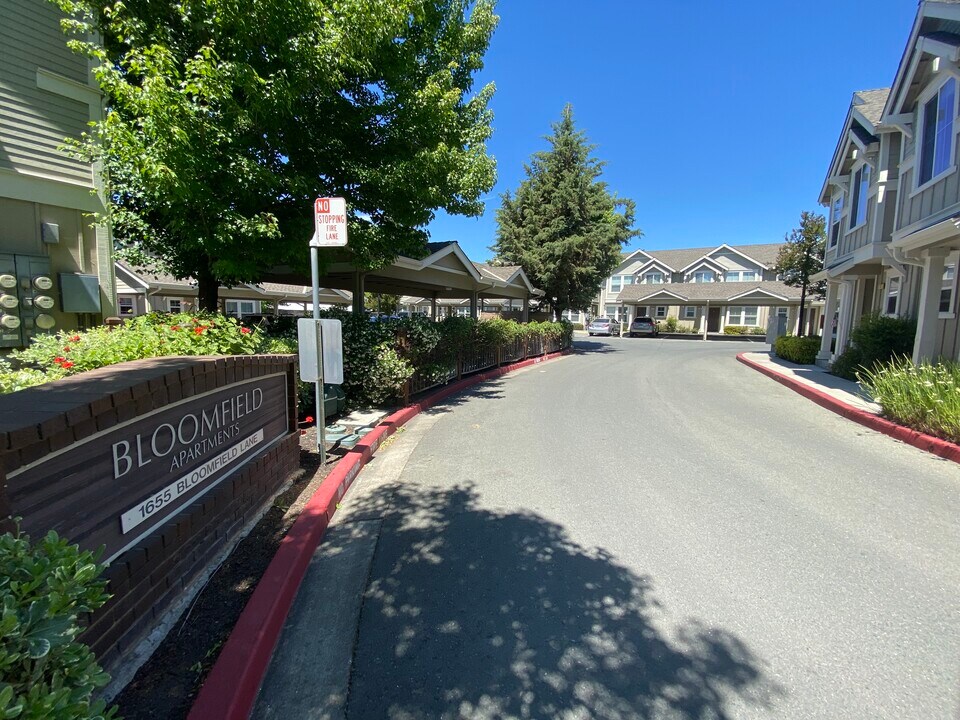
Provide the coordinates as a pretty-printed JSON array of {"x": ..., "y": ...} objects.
[
  {"x": 862, "y": 121},
  {"x": 713, "y": 291},
  {"x": 654, "y": 263},
  {"x": 764, "y": 254},
  {"x": 703, "y": 260}
]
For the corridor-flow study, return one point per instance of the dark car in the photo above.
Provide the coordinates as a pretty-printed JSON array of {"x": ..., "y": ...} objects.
[
  {"x": 644, "y": 326},
  {"x": 603, "y": 326}
]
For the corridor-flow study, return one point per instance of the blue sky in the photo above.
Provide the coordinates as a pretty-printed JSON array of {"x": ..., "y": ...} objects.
[{"x": 717, "y": 118}]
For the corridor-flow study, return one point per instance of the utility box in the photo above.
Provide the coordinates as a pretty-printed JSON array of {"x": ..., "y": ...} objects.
[
  {"x": 776, "y": 327},
  {"x": 27, "y": 297},
  {"x": 79, "y": 293}
]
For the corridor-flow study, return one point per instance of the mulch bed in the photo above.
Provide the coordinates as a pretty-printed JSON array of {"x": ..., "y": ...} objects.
[{"x": 166, "y": 685}]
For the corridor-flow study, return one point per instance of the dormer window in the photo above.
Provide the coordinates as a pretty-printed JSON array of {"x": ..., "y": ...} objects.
[
  {"x": 858, "y": 204},
  {"x": 703, "y": 276},
  {"x": 936, "y": 138},
  {"x": 653, "y": 278}
]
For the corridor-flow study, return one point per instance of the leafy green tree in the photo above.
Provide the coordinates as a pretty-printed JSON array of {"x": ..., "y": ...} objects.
[
  {"x": 563, "y": 225},
  {"x": 224, "y": 120},
  {"x": 802, "y": 256},
  {"x": 382, "y": 303}
]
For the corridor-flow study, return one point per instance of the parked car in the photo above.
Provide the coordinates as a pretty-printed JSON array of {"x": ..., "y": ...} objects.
[
  {"x": 603, "y": 326},
  {"x": 644, "y": 326}
]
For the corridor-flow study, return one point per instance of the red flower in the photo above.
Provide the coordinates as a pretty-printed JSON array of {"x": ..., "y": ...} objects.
[
  {"x": 59, "y": 360},
  {"x": 66, "y": 364},
  {"x": 75, "y": 338},
  {"x": 199, "y": 329},
  {"x": 174, "y": 327},
  {"x": 245, "y": 331},
  {"x": 66, "y": 348},
  {"x": 308, "y": 418}
]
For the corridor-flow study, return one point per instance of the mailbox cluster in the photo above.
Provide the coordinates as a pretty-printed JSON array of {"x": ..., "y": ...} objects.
[{"x": 26, "y": 298}]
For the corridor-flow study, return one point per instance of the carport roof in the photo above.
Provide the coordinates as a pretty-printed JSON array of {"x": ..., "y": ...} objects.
[{"x": 768, "y": 292}]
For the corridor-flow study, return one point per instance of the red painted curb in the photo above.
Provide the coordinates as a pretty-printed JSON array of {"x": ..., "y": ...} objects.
[
  {"x": 231, "y": 688},
  {"x": 941, "y": 448}
]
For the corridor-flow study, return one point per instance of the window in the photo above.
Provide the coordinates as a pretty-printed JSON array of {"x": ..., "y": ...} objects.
[
  {"x": 628, "y": 279},
  {"x": 836, "y": 210},
  {"x": 610, "y": 311},
  {"x": 740, "y": 276},
  {"x": 858, "y": 205},
  {"x": 652, "y": 278},
  {"x": 893, "y": 293},
  {"x": 742, "y": 315},
  {"x": 936, "y": 138},
  {"x": 946, "y": 289},
  {"x": 703, "y": 276},
  {"x": 239, "y": 308},
  {"x": 175, "y": 305},
  {"x": 783, "y": 312},
  {"x": 690, "y": 312},
  {"x": 125, "y": 305},
  {"x": 661, "y": 311},
  {"x": 616, "y": 283}
]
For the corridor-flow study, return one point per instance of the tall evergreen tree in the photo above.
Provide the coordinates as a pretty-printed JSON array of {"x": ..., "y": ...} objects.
[
  {"x": 801, "y": 257},
  {"x": 563, "y": 225}
]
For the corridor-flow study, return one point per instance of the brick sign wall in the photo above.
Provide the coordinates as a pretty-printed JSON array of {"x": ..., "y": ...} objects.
[{"x": 161, "y": 462}]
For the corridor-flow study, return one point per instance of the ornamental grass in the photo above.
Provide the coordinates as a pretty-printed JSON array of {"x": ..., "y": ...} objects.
[{"x": 924, "y": 397}]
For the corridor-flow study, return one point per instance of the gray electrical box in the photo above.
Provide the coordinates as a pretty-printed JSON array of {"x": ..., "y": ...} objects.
[
  {"x": 50, "y": 233},
  {"x": 79, "y": 293}
]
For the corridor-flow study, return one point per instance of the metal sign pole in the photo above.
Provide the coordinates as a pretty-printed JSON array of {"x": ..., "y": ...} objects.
[{"x": 319, "y": 409}]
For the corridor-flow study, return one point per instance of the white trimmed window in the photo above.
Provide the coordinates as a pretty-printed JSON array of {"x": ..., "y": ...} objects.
[
  {"x": 174, "y": 305},
  {"x": 742, "y": 315},
  {"x": 610, "y": 311},
  {"x": 893, "y": 295},
  {"x": 740, "y": 276},
  {"x": 239, "y": 308},
  {"x": 936, "y": 136},
  {"x": 616, "y": 282},
  {"x": 652, "y": 278},
  {"x": 783, "y": 312},
  {"x": 125, "y": 306},
  {"x": 947, "y": 289},
  {"x": 858, "y": 205},
  {"x": 690, "y": 312},
  {"x": 836, "y": 211},
  {"x": 703, "y": 276},
  {"x": 661, "y": 311}
]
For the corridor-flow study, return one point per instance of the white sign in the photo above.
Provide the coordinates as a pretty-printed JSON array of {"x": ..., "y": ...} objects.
[
  {"x": 332, "y": 351},
  {"x": 163, "y": 497},
  {"x": 330, "y": 222}
]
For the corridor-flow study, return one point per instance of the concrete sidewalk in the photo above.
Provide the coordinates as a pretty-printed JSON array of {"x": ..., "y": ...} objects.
[{"x": 845, "y": 391}]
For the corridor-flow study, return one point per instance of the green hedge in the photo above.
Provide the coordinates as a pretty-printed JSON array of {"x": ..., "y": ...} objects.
[
  {"x": 45, "y": 672},
  {"x": 800, "y": 350},
  {"x": 735, "y": 330},
  {"x": 875, "y": 341},
  {"x": 924, "y": 397}
]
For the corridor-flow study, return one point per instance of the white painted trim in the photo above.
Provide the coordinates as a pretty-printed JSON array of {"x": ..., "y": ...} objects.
[
  {"x": 933, "y": 89},
  {"x": 932, "y": 181},
  {"x": 762, "y": 292},
  {"x": 65, "y": 87}
]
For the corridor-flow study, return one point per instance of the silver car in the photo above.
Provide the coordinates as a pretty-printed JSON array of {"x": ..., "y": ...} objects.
[
  {"x": 603, "y": 326},
  {"x": 644, "y": 326}
]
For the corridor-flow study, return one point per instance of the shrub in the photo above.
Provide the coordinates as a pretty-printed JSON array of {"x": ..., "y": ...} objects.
[
  {"x": 735, "y": 330},
  {"x": 155, "y": 335},
  {"x": 876, "y": 340},
  {"x": 924, "y": 397},
  {"x": 758, "y": 331},
  {"x": 670, "y": 325},
  {"x": 800, "y": 350},
  {"x": 44, "y": 671}
]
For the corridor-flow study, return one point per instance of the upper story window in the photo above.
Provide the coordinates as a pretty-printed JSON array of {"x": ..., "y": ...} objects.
[
  {"x": 858, "y": 204},
  {"x": 703, "y": 276},
  {"x": 893, "y": 293},
  {"x": 740, "y": 276},
  {"x": 618, "y": 281},
  {"x": 836, "y": 210},
  {"x": 652, "y": 278},
  {"x": 936, "y": 138}
]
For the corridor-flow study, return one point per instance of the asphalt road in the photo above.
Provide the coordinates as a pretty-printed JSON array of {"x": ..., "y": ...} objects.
[{"x": 649, "y": 529}]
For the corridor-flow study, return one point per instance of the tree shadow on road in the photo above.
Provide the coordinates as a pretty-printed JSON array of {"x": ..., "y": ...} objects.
[
  {"x": 486, "y": 390},
  {"x": 581, "y": 347},
  {"x": 473, "y": 613}
]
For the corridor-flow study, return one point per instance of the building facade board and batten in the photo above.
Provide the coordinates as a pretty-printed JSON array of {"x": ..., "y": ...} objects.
[
  {"x": 901, "y": 259},
  {"x": 706, "y": 289},
  {"x": 48, "y": 94}
]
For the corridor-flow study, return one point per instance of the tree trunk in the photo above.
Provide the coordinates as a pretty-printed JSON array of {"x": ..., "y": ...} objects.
[
  {"x": 803, "y": 300},
  {"x": 207, "y": 287}
]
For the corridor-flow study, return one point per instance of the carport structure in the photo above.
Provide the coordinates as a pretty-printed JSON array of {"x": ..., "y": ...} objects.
[
  {"x": 713, "y": 299},
  {"x": 446, "y": 272}
]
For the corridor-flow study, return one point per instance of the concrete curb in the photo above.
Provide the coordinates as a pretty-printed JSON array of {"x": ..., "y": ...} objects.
[
  {"x": 231, "y": 688},
  {"x": 941, "y": 448}
]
